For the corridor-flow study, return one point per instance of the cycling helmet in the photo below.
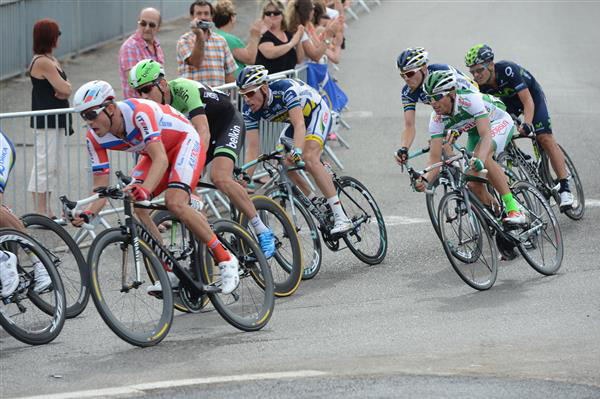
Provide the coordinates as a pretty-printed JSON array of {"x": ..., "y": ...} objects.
[
  {"x": 251, "y": 75},
  {"x": 438, "y": 82},
  {"x": 412, "y": 58},
  {"x": 145, "y": 71},
  {"x": 478, "y": 55},
  {"x": 92, "y": 94}
]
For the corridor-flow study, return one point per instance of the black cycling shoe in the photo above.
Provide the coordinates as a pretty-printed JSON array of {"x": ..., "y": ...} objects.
[{"x": 506, "y": 248}]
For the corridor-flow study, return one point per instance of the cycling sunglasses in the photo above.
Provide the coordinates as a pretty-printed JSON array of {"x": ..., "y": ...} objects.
[
  {"x": 146, "y": 23},
  {"x": 409, "y": 74},
  {"x": 437, "y": 97},
  {"x": 147, "y": 88},
  {"x": 91, "y": 114},
  {"x": 250, "y": 93},
  {"x": 272, "y": 13},
  {"x": 477, "y": 71}
]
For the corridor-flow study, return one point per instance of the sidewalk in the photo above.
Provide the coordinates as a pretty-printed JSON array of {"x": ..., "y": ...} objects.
[{"x": 102, "y": 63}]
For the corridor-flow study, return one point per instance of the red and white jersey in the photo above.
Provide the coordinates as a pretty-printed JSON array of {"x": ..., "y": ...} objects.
[{"x": 145, "y": 122}]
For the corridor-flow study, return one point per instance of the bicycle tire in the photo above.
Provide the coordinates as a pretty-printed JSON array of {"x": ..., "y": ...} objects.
[
  {"x": 286, "y": 264},
  {"x": 67, "y": 257},
  {"x": 250, "y": 306},
  {"x": 541, "y": 217},
  {"x": 176, "y": 239},
  {"x": 452, "y": 207},
  {"x": 104, "y": 298},
  {"x": 306, "y": 228},
  {"x": 353, "y": 238},
  {"x": 15, "y": 318},
  {"x": 576, "y": 212}
]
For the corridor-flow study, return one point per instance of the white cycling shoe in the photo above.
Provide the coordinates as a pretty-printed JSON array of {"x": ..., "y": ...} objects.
[
  {"x": 566, "y": 200},
  {"x": 341, "y": 226},
  {"x": 41, "y": 277},
  {"x": 156, "y": 288},
  {"x": 9, "y": 277},
  {"x": 230, "y": 275}
]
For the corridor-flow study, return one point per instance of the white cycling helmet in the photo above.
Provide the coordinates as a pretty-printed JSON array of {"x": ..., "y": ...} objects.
[{"x": 92, "y": 94}]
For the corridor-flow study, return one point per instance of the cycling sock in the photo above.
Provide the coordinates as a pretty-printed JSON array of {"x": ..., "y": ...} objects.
[
  {"x": 564, "y": 185},
  {"x": 217, "y": 249},
  {"x": 258, "y": 225},
  {"x": 3, "y": 256},
  {"x": 510, "y": 203},
  {"x": 336, "y": 207}
]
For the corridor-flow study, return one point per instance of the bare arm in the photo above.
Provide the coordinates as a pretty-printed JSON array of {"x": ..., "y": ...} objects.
[
  {"x": 200, "y": 123},
  {"x": 160, "y": 163},
  {"x": 271, "y": 51},
  {"x": 528, "y": 105},
  {"x": 197, "y": 57},
  {"x": 247, "y": 55},
  {"x": 485, "y": 138},
  {"x": 47, "y": 69},
  {"x": 408, "y": 134}
]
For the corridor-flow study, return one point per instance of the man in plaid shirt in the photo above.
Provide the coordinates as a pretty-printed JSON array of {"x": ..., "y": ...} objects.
[
  {"x": 143, "y": 44},
  {"x": 203, "y": 55}
]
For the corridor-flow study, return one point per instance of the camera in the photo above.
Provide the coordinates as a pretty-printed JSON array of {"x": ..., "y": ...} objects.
[{"x": 204, "y": 25}]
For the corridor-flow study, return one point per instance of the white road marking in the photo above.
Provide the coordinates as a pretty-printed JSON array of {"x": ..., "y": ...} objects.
[
  {"x": 592, "y": 203},
  {"x": 399, "y": 220},
  {"x": 138, "y": 389}
]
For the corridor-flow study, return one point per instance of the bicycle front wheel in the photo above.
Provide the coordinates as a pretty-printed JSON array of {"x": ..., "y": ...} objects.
[
  {"x": 467, "y": 242},
  {"x": 306, "y": 229},
  {"x": 34, "y": 318},
  {"x": 121, "y": 298},
  {"x": 286, "y": 264},
  {"x": 368, "y": 239},
  {"x": 67, "y": 258},
  {"x": 542, "y": 246},
  {"x": 250, "y": 306}
]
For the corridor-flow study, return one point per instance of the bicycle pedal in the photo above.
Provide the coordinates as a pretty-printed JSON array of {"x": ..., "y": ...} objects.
[{"x": 211, "y": 289}]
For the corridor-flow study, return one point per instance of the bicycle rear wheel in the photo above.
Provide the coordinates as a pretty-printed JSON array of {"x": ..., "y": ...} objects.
[
  {"x": 286, "y": 264},
  {"x": 177, "y": 238},
  {"x": 578, "y": 209},
  {"x": 306, "y": 229},
  {"x": 20, "y": 313},
  {"x": 542, "y": 247},
  {"x": 67, "y": 258},
  {"x": 368, "y": 239},
  {"x": 250, "y": 306},
  {"x": 467, "y": 234},
  {"x": 124, "y": 304}
]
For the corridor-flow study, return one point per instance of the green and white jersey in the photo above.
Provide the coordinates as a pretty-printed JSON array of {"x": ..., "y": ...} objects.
[{"x": 468, "y": 107}]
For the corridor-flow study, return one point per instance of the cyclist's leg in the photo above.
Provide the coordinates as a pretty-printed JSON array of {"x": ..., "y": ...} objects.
[
  {"x": 139, "y": 173},
  {"x": 543, "y": 131}
]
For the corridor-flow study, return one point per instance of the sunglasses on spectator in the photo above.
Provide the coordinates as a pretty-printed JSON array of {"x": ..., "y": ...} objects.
[
  {"x": 436, "y": 97},
  {"x": 150, "y": 24},
  {"x": 147, "y": 88},
  {"x": 272, "y": 13},
  {"x": 91, "y": 114},
  {"x": 409, "y": 74},
  {"x": 250, "y": 93}
]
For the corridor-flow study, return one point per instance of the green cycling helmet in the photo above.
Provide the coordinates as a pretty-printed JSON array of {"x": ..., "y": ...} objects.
[
  {"x": 144, "y": 72},
  {"x": 478, "y": 55},
  {"x": 438, "y": 82}
]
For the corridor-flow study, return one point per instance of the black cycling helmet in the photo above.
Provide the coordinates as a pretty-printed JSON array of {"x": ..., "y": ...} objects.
[{"x": 478, "y": 55}]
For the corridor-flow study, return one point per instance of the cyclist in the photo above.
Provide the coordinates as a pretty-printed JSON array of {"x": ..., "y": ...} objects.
[
  {"x": 9, "y": 276},
  {"x": 172, "y": 159},
  {"x": 489, "y": 128},
  {"x": 294, "y": 102},
  {"x": 218, "y": 121},
  {"x": 522, "y": 94},
  {"x": 413, "y": 67}
]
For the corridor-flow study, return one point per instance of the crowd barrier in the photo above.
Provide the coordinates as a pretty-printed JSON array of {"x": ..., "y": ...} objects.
[{"x": 74, "y": 178}]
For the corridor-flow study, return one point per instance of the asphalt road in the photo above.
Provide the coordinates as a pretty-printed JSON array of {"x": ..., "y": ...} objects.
[{"x": 408, "y": 327}]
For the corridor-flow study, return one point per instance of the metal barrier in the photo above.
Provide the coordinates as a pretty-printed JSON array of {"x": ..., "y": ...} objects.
[
  {"x": 73, "y": 175},
  {"x": 84, "y": 24}
]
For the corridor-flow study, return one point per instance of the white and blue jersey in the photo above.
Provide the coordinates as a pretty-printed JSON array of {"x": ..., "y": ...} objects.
[
  {"x": 286, "y": 94},
  {"x": 7, "y": 159}
]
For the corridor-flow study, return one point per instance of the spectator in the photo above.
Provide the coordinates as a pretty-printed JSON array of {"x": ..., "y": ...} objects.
[
  {"x": 143, "y": 44},
  {"x": 51, "y": 90},
  {"x": 301, "y": 13},
  {"x": 225, "y": 18},
  {"x": 203, "y": 55},
  {"x": 279, "y": 50}
]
